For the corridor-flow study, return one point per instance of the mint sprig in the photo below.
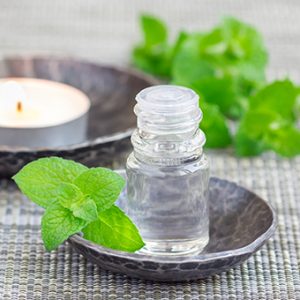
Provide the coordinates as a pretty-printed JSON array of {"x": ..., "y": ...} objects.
[
  {"x": 78, "y": 199},
  {"x": 269, "y": 123}
]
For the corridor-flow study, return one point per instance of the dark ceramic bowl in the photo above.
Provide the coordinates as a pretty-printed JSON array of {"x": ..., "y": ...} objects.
[
  {"x": 112, "y": 92},
  {"x": 240, "y": 223}
]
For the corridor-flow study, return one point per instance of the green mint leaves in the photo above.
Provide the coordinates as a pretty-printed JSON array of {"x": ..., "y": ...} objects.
[
  {"x": 113, "y": 228},
  {"x": 58, "y": 223},
  {"x": 153, "y": 55},
  {"x": 102, "y": 185},
  {"x": 70, "y": 196},
  {"x": 40, "y": 180},
  {"x": 78, "y": 199},
  {"x": 226, "y": 67},
  {"x": 270, "y": 124}
]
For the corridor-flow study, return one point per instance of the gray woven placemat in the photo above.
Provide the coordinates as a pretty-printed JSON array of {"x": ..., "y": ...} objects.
[
  {"x": 104, "y": 31},
  {"x": 28, "y": 272}
]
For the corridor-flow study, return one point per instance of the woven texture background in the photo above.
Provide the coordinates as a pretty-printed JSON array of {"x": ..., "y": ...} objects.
[{"x": 104, "y": 31}]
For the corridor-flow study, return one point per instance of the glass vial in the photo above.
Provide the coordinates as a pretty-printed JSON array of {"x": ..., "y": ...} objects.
[{"x": 168, "y": 173}]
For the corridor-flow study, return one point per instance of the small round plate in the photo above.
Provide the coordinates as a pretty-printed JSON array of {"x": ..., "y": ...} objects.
[{"x": 240, "y": 223}]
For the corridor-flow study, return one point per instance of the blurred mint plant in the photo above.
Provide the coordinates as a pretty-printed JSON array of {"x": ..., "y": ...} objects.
[{"x": 226, "y": 67}]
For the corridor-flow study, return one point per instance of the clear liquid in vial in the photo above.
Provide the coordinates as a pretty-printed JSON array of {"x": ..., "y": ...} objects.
[{"x": 169, "y": 206}]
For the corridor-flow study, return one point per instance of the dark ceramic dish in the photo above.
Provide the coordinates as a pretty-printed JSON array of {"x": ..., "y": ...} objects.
[
  {"x": 111, "y": 120},
  {"x": 240, "y": 223}
]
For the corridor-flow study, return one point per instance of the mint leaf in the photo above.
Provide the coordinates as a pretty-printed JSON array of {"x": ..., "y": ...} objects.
[
  {"x": 269, "y": 123},
  {"x": 244, "y": 48},
  {"x": 214, "y": 126},
  {"x": 114, "y": 229},
  {"x": 70, "y": 196},
  {"x": 85, "y": 209},
  {"x": 249, "y": 139},
  {"x": 222, "y": 92},
  {"x": 156, "y": 63},
  {"x": 252, "y": 132},
  {"x": 58, "y": 224},
  {"x": 285, "y": 140},
  {"x": 245, "y": 146},
  {"x": 155, "y": 31},
  {"x": 279, "y": 97},
  {"x": 101, "y": 185},
  {"x": 188, "y": 66},
  {"x": 40, "y": 179},
  {"x": 153, "y": 55},
  {"x": 262, "y": 129}
]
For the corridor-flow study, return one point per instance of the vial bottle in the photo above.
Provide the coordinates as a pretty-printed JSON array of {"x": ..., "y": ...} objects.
[{"x": 168, "y": 173}]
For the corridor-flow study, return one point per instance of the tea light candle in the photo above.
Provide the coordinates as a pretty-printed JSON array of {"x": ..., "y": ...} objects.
[{"x": 41, "y": 113}]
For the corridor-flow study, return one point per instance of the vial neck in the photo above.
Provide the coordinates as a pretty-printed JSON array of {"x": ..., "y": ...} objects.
[
  {"x": 166, "y": 161},
  {"x": 168, "y": 150}
]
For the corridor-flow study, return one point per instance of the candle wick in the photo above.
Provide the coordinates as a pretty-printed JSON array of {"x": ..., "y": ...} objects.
[{"x": 19, "y": 106}]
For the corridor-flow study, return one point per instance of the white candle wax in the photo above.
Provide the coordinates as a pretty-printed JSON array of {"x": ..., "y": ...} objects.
[
  {"x": 43, "y": 103},
  {"x": 29, "y": 106}
]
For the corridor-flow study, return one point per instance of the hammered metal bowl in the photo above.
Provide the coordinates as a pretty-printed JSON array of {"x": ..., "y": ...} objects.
[
  {"x": 112, "y": 92},
  {"x": 240, "y": 223}
]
